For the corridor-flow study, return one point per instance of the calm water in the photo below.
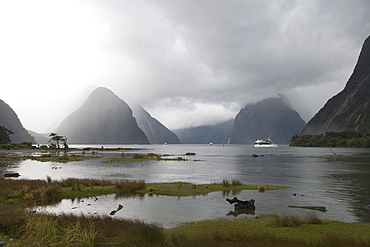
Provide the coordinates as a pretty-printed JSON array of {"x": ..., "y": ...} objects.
[{"x": 337, "y": 178}]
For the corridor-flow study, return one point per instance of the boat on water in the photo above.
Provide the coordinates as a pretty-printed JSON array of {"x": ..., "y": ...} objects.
[{"x": 268, "y": 143}]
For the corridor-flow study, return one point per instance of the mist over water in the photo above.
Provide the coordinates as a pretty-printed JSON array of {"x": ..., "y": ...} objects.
[{"x": 336, "y": 178}]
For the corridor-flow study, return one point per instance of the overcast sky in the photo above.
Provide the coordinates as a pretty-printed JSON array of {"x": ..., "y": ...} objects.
[{"x": 187, "y": 62}]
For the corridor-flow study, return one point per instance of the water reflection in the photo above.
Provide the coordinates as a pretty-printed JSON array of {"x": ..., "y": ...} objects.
[
  {"x": 316, "y": 176},
  {"x": 238, "y": 212}
]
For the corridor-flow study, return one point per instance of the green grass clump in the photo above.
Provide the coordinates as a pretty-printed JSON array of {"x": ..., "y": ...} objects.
[
  {"x": 191, "y": 189},
  {"x": 43, "y": 230},
  {"x": 130, "y": 186},
  {"x": 263, "y": 231},
  {"x": 232, "y": 182},
  {"x": 145, "y": 157},
  {"x": 292, "y": 220},
  {"x": 67, "y": 230}
]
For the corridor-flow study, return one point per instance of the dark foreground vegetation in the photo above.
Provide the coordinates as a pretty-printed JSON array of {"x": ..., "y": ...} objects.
[
  {"x": 27, "y": 228},
  {"x": 346, "y": 138}
]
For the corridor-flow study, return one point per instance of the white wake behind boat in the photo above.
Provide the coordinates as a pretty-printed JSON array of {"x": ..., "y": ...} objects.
[{"x": 265, "y": 144}]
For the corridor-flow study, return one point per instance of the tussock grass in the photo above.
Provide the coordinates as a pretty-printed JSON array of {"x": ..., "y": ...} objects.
[
  {"x": 263, "y": 232},
  {"x": 46, "y": 191},
  {"x": 191, "y": 189},
  {"x": 85, "y": 182},
  {"x": 130, "y": 186},
  {"x": 69, "y": 230},
  {"x": 232, "y": 182},
  {"x": 44, "y": 230},
  {"x": 261, "y": 188},
  {"x": 291, "y": 220}
]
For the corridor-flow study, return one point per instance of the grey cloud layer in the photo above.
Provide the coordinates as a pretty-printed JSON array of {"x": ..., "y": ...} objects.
[{"x": 218, "y": 51}]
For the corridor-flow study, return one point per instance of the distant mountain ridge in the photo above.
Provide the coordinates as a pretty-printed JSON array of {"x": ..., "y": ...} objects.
[
  {"x": 349, "y": 109},
  {"x": 156, "y": 132},
  {"x": 10, "y": 120},
  {"x": 104, "y": 118},
  {"x": 271, "y": 117},
  {"x": 218, "y": 134}
]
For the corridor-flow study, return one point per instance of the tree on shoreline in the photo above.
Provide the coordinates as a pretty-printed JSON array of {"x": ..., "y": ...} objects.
[
  {"x": 56, "y": 139},
  {"x": 4, "y": 135},
  {"x": 346, "y": 138}
]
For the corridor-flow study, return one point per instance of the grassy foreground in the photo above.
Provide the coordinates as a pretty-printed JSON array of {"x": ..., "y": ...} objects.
[
  {"x": 32, "y": 229},
  {"x": 266, "y": 230}
]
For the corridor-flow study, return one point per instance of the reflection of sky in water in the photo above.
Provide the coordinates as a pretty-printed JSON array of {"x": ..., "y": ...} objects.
[
  {"x": 340, "y": 182},
  {"x": 170, "y": 211}
]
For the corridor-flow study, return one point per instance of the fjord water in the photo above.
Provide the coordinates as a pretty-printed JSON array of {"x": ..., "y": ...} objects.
[{"x": 336, "y": 178}]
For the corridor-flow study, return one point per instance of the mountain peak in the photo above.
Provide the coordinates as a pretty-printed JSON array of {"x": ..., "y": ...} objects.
[
  {"x": 104, "y": 118},
  {"x": 272, "y": 117},
  {"x": 156, "y": 132},
  {"x": 349, "y": 109}
]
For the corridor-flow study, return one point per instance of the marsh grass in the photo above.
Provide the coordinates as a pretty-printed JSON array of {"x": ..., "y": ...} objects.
[
  {"x": 191, "y": 189},
  {"x": 262, "y": 231},
  {"x": 68, "y": 230},
  {"x": 291, "y": 220},
  {"x": 232, "y": 182},
  {"x": 46, "y": 191},
  {"x": 139, "y": 157},
  {"x": 261, "y": 188},
  {"x": 130, "y": 186},
  {"x": 43, "y": 230}
]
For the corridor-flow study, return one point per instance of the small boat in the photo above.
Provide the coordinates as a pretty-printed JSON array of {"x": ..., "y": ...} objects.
[{"x": 268, "y": 143}]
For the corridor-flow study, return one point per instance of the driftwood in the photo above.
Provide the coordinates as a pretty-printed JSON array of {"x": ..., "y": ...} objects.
[
  {"x": 318, "y": 208},
  {"x": 14, "y": 174},
  {"x": 242, "y": 204},
  {"x": 113, "y": 212}
]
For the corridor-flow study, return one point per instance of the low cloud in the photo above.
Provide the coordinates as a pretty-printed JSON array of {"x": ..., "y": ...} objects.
[{"x": 196, "y": 62}]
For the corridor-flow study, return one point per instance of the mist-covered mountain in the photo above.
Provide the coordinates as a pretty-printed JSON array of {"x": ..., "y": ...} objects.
[
  {"x": 156, "y": 132},
  {"x": 218, "y": 134},
  {"x": 10, "y": 120},
  {"x": 104, "y": 118},
  {"x": 298, "y": 105},
  {"x": 271, "y": 117},
  {"x": 41, "y": 138},
  {"x": 349, "y": 109}
]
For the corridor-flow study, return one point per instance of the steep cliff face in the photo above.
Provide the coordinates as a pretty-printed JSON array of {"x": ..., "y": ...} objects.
[
  {"x": 104, "y": 118},
  {"x": 350, "y": 108},
  {"x": 272, "y": 117},
  {"x": 156, "y": 132},
  {"x": 218, "y": 134},
  {"x": 10, "y": 120}
]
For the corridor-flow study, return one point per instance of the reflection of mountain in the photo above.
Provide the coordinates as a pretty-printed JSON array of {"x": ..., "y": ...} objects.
[
  {"x": 103, "y": 118},
  {"x": 350, "y": 108},
  {"x": 218, "y": 134},
  {"x": 156, "y": 132},
  {"x": 272, "y": 117},
  {"x": 10, "y": 120}
]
